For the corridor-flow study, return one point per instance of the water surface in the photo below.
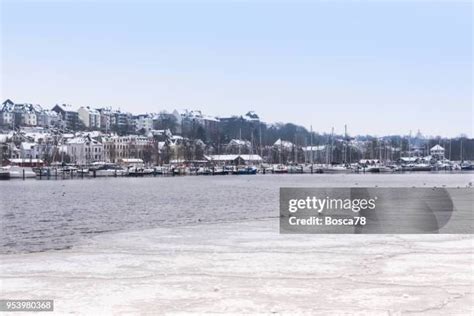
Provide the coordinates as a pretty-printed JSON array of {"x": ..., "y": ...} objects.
[{"x": 53, "y": 215}]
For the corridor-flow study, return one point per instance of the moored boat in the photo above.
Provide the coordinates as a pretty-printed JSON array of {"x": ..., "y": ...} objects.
[
  {"x": 280, "y": 169},
  {"x": 16, "y": 172},
  {"x": 4, "y": 174},
  {"x": 335, "y": 169},
  {"x": 245, "y": 170}
]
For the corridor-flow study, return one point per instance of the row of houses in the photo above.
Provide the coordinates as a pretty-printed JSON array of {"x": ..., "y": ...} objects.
[{"x": 14, "y": 115}]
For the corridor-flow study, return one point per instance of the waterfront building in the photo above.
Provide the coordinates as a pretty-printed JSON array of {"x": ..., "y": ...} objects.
[
  {"x": 234, "y": 159},
  {"x": 437, "y": 152},
  {"x": 120, "y": 147},
  {"x": 84, "y": 150}
]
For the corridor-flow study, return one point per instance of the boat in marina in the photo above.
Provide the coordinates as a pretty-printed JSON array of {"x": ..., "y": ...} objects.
[
  {"x": 16, "y": 172},
  {"x": 68, "y": 170},
  {"x": 245, "y": 170},
  {"x": 312, "y": 168},
  {"x": 443, "y": 165},
  {"x": 336, "y": 169},
  {"x": 180, "y": 170},
  {"x": 83, "y": 171},
  {"x": 467, "y": 165},
  {"x": 107, "y": 170},
  {"x": 417, "y": 167},
  {"x": 279, "y": 169},
  {"x": 220, "y": 171},
  {"x": 42, "y": 172},
  {"x": 4, "y": 174},
  {"x": 140, "y": 171},
  {"x": 378, "y": 169},
  {"x": 161, "y": 170},
  {"x": 203, "y": 171},
  {"x": 295, "y": 169}
]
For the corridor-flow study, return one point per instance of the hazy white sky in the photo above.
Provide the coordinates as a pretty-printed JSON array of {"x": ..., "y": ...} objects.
[{"x": 382, "y": 67}]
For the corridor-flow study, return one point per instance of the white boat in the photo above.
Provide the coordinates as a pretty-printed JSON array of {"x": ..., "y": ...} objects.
[
  {"x": 16, "y": 172},
  {"x": 336, "y": 169},
  {"x": 161, "y": 170},
  {"x": 280, "y": 169},
  {"x": 107, "y": 170},
  {"x": 417, "y": 167},
  {"x": 378, "y": 169},
  {"x": 4, "y": 173},
  {"x": 295, "y": 169}
]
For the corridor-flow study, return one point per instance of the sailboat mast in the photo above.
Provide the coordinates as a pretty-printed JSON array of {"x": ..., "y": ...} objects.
[
  {"x": 240, "y": 139},
  {"x": 311, "y": 141},
  {"x": 260, "y": 137},
  {"x": 332, "y": 145},
  {"x": 295, "y": 148}
]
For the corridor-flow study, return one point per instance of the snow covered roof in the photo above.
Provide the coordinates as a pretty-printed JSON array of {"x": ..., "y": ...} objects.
[
  {"x": 314, "y": 148},
  {"x": 27, "y": 146},
  {"x": 409, "y": 159},
  {"x": 283, "y": 143},
  {"x": 65, "y": 107},
  {"x": 239, "y": 142},
  {"x": 251, "y": 157},
  {"x": 233, "y": 157},
  {"x": 37, "y": 108},
  {"x": 37, "y": 136},
  {"x": 82, "y": 140},
  {"x": 7, "y": 106},
  {"x": 221, "y": 157},
  {"x": 131, "y": 160},
  {"x": 90, "y": 110},
  {"x": 437, "y": 147},
  {"x": 24, "y": 160}
]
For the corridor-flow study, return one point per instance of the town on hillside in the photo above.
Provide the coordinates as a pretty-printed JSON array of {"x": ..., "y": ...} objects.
[{"x": 188, "y": 141}]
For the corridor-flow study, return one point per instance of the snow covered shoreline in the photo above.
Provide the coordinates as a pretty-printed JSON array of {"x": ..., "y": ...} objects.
[{"x": 248, "y": 267}]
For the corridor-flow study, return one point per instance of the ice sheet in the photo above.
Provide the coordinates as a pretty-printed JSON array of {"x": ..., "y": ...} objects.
[{"x": 248, "y": 267}]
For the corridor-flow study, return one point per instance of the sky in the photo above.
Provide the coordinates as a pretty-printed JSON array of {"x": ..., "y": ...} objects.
[{"x": 381, "y": 67}]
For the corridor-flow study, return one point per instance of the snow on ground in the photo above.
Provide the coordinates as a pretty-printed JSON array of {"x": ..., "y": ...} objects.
[{"x": 248, "y": 267}]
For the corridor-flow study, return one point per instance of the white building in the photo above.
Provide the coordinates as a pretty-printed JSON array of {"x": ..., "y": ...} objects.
[
  {"x": 29, "y": 117},
  {"x": 6, "y": 113},
  {"x": 283, "y": 145},
  {"x": 144, "y": 122},
  {"x": 28, "y": 150},
  {"x": 84, "y": 150},
  {"x": 90, "y": 117},
  {"x": 48, "y": 118},
  {"x": 131, "y": 146},
  {"x": 437, "y": 152}
]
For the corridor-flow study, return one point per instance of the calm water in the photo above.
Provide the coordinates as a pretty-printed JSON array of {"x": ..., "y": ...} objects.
[{"x": 53, "y": 215}]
